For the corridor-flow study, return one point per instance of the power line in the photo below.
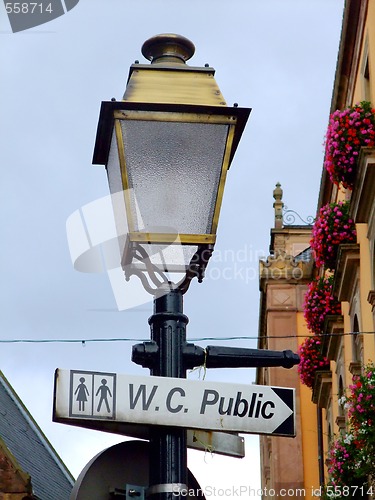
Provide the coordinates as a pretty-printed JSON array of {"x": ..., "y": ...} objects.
[{"x": 197, "y": 339}]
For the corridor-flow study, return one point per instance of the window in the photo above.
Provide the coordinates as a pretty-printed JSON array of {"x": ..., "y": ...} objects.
[
  {"x": 366, "y": 82},
  {"x": 356, "y": 342},
  {"x": 365, "y": 73},
  {"x": 340, "y": 395}
]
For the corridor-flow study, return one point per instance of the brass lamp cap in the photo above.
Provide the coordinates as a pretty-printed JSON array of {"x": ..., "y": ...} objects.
[{"x": 168, "y": 47}]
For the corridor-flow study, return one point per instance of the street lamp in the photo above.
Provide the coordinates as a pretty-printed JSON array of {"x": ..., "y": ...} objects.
[{"x": 167, "y": 147}]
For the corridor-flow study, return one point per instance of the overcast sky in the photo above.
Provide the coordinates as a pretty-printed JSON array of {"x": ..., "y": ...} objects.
[{"x": 276, "y": 56}]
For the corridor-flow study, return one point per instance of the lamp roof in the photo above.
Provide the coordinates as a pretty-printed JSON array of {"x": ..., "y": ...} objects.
[{"x": 168, "y": 47}]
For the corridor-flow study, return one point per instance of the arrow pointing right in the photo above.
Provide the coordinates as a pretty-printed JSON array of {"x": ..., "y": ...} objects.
[{"x": 287, "y": 427}]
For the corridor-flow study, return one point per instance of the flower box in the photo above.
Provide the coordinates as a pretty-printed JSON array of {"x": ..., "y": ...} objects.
[
  {"x": 311, "y": 360},
  {"x": 347, "y": 132},
  {"x": 319, "y": 302},
  {"x": 332, "y": 227}
]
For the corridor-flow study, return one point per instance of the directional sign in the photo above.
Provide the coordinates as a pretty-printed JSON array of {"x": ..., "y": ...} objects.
[{"x": 129, "y": 399}]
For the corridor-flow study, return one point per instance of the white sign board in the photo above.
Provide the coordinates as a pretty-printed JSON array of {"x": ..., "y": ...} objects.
[{"x": 175, "y": 402}]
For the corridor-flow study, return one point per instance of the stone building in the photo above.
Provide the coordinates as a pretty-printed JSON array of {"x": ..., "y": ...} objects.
[
  {"x": 287, "y": 463},
  {"x": 348, "y": 339}
]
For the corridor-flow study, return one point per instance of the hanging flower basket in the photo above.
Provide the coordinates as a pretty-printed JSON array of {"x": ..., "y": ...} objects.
[
  {"x": 351, "y": 459},
  {"x": 332, "y": 227},
  {"x": 347, "y": 132},
  {"x": 311, "y": 360},
  {"x": 319, "y": 302}
]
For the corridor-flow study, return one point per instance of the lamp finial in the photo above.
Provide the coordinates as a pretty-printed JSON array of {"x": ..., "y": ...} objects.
[{"x": 168, "y": 47}]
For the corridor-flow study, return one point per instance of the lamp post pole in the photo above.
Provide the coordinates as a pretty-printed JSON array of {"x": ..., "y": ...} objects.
[
  {"x": 169, "y": 355},
  {"x": 168, "y": 452}
]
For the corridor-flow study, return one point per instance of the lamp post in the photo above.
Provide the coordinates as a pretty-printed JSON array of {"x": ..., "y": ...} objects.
[{"x": 167, "y": 147}]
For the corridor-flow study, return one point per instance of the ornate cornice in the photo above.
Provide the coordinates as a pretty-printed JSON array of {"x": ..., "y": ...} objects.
[
  {"x": 341, "y": 424},
  {"x": 355, "y": 368},
  {"x": 346, "y": 268},
  {"x": 333, "y": 329},
  {"x": 322, "y": 388},
  {"x": 284, "y": 267},
  {"x": 363, "y": 196}
]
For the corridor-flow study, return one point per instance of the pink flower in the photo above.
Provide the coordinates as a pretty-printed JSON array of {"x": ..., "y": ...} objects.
[
  {"x": 347, "y": 132},
  {"x": 319, "y": 302},
  {"x": 311, "y": 359},
  {"x": 332, "y": 227}
]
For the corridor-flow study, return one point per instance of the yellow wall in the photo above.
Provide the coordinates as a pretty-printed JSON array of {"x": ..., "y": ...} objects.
[
  {"x": 367, "y": 324},
  {"x": 347, "y": 343},
  {"x": 366, "y": 317},
  {"x": 308, "y": 425},
  {"x": 335, "y": 391},
  {"x": 368, "y": 42}
]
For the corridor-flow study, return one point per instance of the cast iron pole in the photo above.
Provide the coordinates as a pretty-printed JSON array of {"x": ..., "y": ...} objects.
[
  {"x": 169, "y": 355},
  {"x": 168, "y": 452}
]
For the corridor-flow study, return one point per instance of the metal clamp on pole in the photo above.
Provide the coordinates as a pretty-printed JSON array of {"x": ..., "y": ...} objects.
[{"x": 175, "y": 488}]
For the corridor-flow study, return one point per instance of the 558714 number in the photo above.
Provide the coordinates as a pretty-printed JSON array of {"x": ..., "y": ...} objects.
[
  {"x": 348, "y": 491},
  {"x": 28, "y": 8}
]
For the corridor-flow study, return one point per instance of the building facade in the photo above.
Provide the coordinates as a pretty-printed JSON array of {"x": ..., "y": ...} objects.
[
  {"x": 349, "y": 342},
  {"x": 334, "y": 449},
  {"x": 288, "y": 464}
]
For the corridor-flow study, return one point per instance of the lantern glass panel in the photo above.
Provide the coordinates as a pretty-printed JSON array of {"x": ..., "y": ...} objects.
[
  {"x": 113, "y": 167},
  {"x": 167, "y": 258},
  {"x": 117, "y": 194},
  {"x": 173, "y": 171}
]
